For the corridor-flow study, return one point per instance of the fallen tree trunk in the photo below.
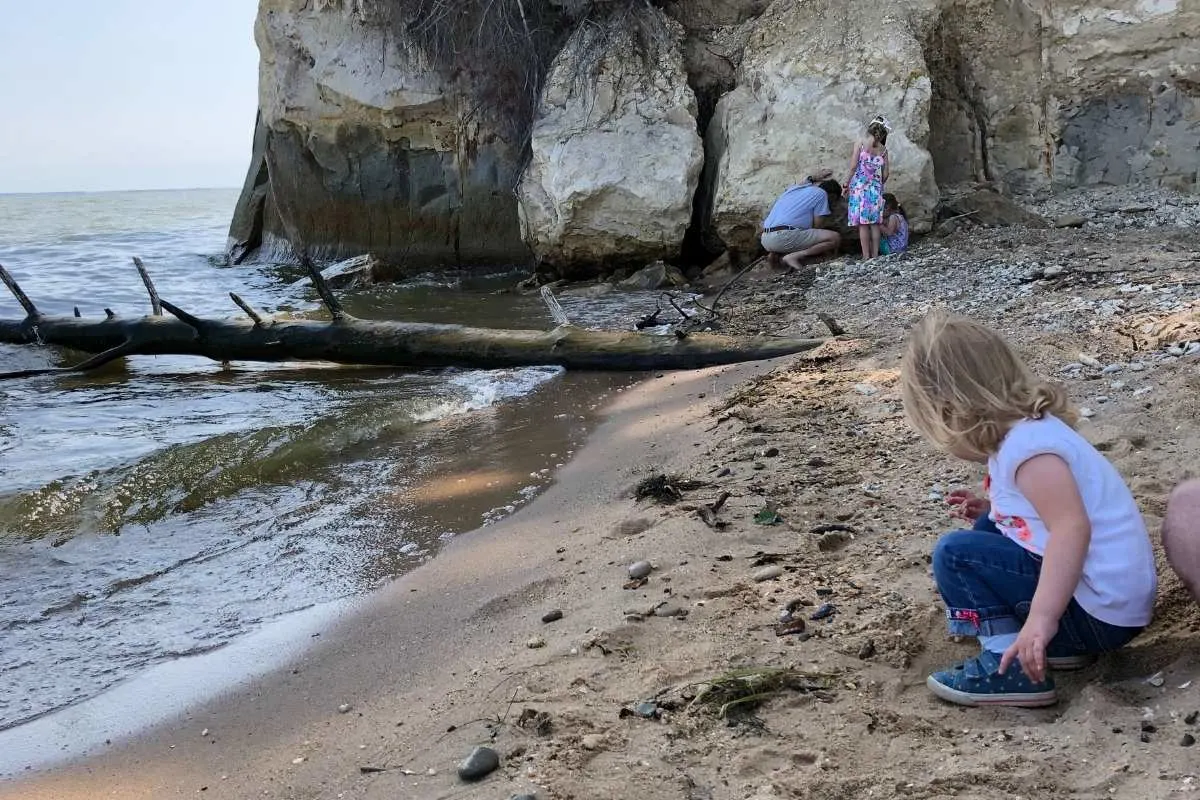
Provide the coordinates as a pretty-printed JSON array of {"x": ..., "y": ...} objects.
[{"x": 348, "y": 340}]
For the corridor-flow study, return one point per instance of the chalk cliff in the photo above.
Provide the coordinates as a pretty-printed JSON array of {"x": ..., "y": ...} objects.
[{"x": 667, "y": 133}]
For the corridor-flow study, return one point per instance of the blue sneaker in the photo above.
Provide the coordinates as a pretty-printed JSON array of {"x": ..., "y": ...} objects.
[{"x": 978, "y": 682}]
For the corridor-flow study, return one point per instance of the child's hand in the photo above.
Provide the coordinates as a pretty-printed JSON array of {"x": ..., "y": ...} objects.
[
  {"x": 965, "y": 505},
  {"x": 1030, "y": 648}
]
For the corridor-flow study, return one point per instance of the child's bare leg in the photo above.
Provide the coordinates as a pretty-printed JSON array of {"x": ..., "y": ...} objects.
[
  {"x": 1181, "y": 534},
  {"x": 876, "y": 233},
  {"x": 864, "y": 239}
]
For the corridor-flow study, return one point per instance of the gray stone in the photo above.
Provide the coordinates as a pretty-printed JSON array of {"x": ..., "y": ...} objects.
[
  {"x": 656, "y": 276},
  {"x": 524, "y": 797},
  {"x": 640, "y": 569},
  {"x": 1070, "y": 221},
  {"x": 768, "y": 573},
  {"x": 482, "y": 761},
  {"x": 669, "y": 610},
  {"x": 552, "y": 616}
]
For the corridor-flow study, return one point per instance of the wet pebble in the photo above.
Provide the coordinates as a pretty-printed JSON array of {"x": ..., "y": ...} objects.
[
  {"x": 770, "y": 452},
  {"x": 768, "y": 573},
  {"x": 1191, "y": 718},
  {"x": 1188, "y": 740},
  {"x": 482, "y": 762},
  {"x": 552, "y": 616},
  {"x": 867, "y": 650},
  {"x": 640, "y": 569},
  {"x": 825, "y": 611}
]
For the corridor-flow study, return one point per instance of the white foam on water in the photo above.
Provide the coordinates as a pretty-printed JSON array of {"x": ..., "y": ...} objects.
[{"x": 480, "y": 389}]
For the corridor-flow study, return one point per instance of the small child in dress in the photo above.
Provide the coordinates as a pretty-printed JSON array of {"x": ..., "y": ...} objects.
[
  {"x": 895, "y": 226},
  {"x": 869, "y": 167},
  {"x": 1060, "y": 568}
]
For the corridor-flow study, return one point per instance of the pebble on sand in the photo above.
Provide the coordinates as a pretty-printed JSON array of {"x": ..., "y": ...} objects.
[
  {"x": 768, "y": 573},
  {"x": 592, "y": 741},
  {"x": 552, "y": 616},
  {"x": 344, "y": 708},
  {"x": 482, "y": 762},
  {"x": 640, "y": 569},
  {"x": 535, "y": 643}
]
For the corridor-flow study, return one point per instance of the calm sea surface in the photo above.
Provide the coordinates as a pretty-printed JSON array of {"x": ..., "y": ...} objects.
[{"x": 164, "y": 506}]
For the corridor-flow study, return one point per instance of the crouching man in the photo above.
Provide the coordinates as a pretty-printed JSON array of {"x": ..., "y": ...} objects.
[{"x": 798, "y": 226}]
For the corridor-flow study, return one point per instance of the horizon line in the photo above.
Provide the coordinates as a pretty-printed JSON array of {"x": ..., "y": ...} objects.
[{"x": 119, "y": 191}]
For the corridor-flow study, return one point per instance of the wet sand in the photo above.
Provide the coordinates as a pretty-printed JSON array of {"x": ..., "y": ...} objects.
[{"x": 396, "y": 660}]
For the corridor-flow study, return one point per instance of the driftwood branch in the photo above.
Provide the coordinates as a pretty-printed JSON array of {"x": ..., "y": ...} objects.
[
  {"x": 15, "y": 288},
  {"x": 250, "y": 312},
  {"x": 155, "y": 304},
  {"x": 327, "y": 297},
  {"x": 556, "y": 309},
  {"x": 96, "y": 361},
  {"x": 348, "y": 340},
  {"x": 831, "y": 324}
]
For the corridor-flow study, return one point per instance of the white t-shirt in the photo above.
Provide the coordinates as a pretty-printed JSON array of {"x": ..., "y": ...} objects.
[{"x": 1119, "y": 580}]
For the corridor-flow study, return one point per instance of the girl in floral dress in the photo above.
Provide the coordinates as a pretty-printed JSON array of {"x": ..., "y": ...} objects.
[{"x": 864, "y": 189}]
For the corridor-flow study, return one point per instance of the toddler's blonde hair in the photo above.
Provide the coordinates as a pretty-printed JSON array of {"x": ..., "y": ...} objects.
[{"x": 964, "y": 386}]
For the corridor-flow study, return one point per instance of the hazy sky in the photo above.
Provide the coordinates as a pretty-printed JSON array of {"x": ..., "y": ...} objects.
[{"x": 126, "y": 94}]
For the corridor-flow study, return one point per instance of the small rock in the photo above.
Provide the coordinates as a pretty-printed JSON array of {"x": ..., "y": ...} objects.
[
  {"x": 298, "y": 760},
  {"x": 1052, "y": 271},
  {"x": 669, "y": 610},
  {"x": 1188, "y": 740},
  {"x": 1191, "y": 718},
  {"x": 524, "y": 797},
  {"x": 1086, "y": 412},
  {"x": 344, "y": 708},
  {"x": 1144, "y": 737},
  {"x": 640, "y": 569},
  {"x": 1136, "y": 366},
  {"x": 482, "y": 762},
  {"x": 770, "y": 452},
  {"x": 592, "y": 741},
  {"x": 1102, "y": 398},
  {"x": 535, "y": 643},
  {"x": 833, "y": 541},
  {"x": 1156, "y": 680},
  {"x": 867, "y": 650},
  {"x": 768, "y": 573},
  {"x": 1070, "y": 221},
  {"x": 866, "y": 389},
  {"x": 1148, "y": 727},
  {"x": 552, "y": 616},
  {"x": 1089, "y": 361},
  {"x": 825, "y": 611},
  {"x": 1112, "y": 369},
  {"x": 646, "y": 710}
]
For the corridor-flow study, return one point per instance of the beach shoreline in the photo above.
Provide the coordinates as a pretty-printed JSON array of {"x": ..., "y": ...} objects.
[
  {"x": 827, "y": 503},
  {"x": 422, "y": 622}
]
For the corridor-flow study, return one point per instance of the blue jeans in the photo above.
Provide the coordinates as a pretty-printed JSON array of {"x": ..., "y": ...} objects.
[{"x": 987, "y": 581}]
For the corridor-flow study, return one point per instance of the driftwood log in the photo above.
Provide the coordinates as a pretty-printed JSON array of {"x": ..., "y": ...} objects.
[{"x": 348, "y": 340}]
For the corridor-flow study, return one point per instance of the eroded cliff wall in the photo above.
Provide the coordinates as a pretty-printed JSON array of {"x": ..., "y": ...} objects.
[{"x": 366, "y": 143}]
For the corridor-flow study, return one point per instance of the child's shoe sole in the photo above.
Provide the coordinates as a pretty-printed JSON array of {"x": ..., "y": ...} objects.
[
  {"x": 1015, "y": 699},
  {"x": 1069, "y": 663}
]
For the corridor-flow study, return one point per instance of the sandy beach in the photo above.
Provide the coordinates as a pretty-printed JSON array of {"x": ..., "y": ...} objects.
[{"x": 827, "y": 503}]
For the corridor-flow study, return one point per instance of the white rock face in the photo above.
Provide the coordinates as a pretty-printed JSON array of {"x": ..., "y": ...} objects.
[
  {"x": 813, "y": 75},
  {"x": 616, "y": 154},
  {"x": 365, "y": 146}
]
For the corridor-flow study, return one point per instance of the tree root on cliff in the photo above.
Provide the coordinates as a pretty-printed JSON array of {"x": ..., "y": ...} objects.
[{"x": 348, "y": 340}]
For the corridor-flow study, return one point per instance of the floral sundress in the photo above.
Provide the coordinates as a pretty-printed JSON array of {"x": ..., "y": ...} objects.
[{"x": 866, "y": 190}]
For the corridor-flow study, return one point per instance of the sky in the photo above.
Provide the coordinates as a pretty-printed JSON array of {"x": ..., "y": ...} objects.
[{"x": 100, "y": 95}]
